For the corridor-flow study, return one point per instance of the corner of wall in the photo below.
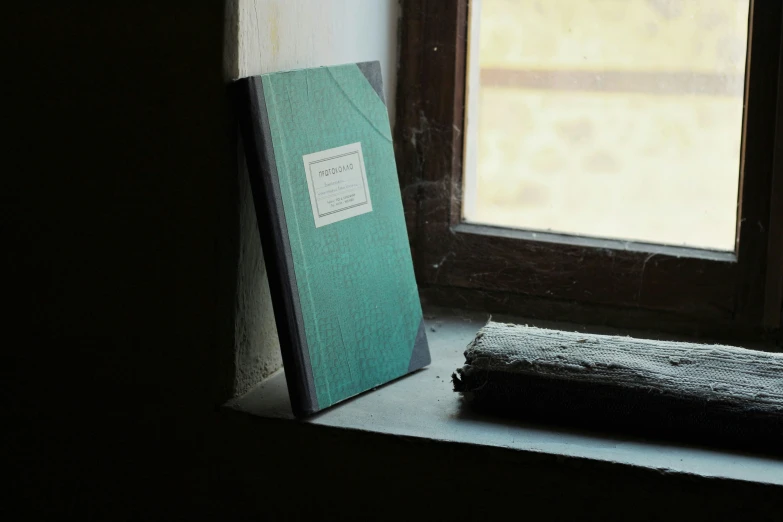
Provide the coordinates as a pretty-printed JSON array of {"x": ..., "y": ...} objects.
[{"x": 256, "y": 345}]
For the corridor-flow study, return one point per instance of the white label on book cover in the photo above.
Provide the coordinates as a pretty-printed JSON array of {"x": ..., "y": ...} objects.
[{"x": 338, "y": 184}]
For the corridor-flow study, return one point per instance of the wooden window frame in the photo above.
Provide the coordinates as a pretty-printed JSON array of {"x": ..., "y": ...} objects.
[{"x": 736, "y": 295}]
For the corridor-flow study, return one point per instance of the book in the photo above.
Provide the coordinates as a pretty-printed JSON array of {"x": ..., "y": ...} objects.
[{"x": 319, "y": 152}]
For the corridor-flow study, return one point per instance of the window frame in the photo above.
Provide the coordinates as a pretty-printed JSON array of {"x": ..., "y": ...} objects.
[{"x": 572, "y": 278}]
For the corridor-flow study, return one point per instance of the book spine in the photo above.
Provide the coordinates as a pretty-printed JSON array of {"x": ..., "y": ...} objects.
[{"x": 262, "y": 168}]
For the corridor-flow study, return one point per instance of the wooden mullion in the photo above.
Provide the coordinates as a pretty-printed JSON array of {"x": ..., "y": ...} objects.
[{"x": 773, "y": 298}]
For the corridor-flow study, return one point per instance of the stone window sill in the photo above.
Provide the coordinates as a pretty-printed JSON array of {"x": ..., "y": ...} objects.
[{"x": 423, "y": 406}]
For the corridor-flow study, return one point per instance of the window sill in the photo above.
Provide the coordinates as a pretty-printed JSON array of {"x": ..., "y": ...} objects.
[{"x": 423, "y": 406}]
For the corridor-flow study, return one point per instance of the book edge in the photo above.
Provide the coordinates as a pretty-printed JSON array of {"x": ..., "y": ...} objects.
[
  {"x": 420, "y": 356},
  {"x": 273, "y": 229}
]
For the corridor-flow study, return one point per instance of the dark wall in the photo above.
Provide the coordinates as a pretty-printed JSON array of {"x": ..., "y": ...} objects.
[
  {"x": 119, "y": 240},
  {"x": 353, "y": 475}
]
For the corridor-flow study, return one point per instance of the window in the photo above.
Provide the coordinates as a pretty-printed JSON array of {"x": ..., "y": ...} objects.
[
  {"x": 607, "y": 119},
  {"x": 476, "y": 237}
]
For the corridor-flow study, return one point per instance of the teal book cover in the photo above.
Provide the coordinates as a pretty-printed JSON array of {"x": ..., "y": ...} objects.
[{"x": 319, "y": 152}]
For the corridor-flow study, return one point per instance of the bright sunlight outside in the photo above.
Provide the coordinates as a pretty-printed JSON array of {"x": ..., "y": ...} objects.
[{"x": 608, "y": 118}]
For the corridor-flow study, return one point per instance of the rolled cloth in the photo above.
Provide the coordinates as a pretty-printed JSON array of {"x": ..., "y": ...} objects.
[{"x": 705, "y": 393}]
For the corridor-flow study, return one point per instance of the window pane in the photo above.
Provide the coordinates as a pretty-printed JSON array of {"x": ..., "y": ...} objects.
[{"x": 607, "y": 118}]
